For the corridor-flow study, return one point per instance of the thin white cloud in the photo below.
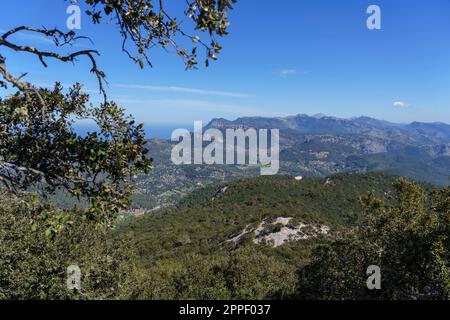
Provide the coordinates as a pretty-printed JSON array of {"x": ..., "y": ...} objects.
[
  {"x": 35, "y": 37},
  {"x": 287, "y": 73},
  {"x": 196, "y": 105},
  {"x": 401, "y": 104},
  {"x": 173, "y": 89},
  {"x": 38, "y": 38},
  {"x": 49, "y": 85}
]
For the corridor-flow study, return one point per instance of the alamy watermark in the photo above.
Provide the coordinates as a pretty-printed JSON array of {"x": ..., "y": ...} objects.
[
  {"x": 238, "y": 147},
  {"x": 73, "y": 278},
  {"x": 73, "y": 22},
  {"x": 374, "y": 279},
  {"x": 374, "y": 20}
]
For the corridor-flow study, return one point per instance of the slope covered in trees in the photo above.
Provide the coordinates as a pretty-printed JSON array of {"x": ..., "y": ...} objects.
[
  {"x": 206, "y": 249},
  {"x": 190, "y": 252},
  {"x": 209, "y": 216}
]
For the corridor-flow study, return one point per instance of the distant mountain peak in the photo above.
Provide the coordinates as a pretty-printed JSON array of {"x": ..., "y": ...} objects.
[{"x": 418, "y": 132}]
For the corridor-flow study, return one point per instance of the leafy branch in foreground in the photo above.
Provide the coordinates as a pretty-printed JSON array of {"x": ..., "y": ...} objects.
[
  {"x": 39, "y": 146},
  {"x": 148, "y": 24},
  {"x": 43, "y": 150}
]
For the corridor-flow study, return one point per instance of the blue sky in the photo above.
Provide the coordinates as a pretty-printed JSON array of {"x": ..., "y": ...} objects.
[{"x": 281, "y": 58}]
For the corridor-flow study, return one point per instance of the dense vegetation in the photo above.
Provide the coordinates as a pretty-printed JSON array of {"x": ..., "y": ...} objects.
[
  {"x": 188, "y": 252},
  {"x": 38, "y": 243},
  {"x": 208, "y": 216},
  {"x": 408, "y": 239}
]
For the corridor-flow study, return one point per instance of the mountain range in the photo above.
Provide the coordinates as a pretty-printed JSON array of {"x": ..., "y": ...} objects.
[
  {"x": 310, "y": 146},
  {"x": 415, "y": 133}
]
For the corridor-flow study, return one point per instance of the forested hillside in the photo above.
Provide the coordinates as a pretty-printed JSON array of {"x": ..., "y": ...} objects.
[
  {"x": 210, "y": 216},
  {"x": 224, "y": 242}
]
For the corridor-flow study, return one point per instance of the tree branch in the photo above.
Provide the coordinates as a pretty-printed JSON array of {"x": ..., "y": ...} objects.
[{"x": 57, "y": 35}]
